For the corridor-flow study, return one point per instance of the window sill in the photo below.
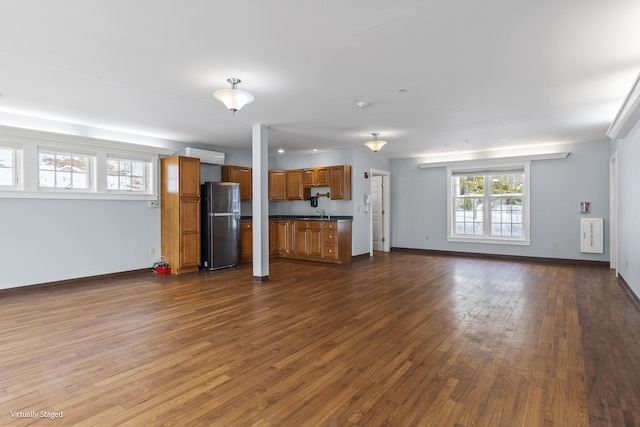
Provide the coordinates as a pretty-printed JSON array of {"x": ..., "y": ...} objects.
[
  {"x": 17, "y": 194},
  {"x": 516, "y": 242}
]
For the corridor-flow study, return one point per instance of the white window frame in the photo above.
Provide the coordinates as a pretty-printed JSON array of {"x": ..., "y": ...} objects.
[
  {"x": 91, "y": 166},
  {"x": 27, "y": 144},
  {"x": 489, "y": 169},
  {"x": 146, "y": 177},
  {"x": 16, "y": 152}
]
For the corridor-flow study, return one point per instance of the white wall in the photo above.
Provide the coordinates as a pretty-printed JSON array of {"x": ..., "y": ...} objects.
[
  {"x": 629, "y": 208},
  {"x": 419, "y": 198},
  {"x": 45, "y": 240},
  {"x": 364, "y": 161}
]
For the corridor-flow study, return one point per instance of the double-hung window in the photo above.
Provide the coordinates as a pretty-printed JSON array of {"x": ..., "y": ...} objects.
[{"x": 489, "y": 204}]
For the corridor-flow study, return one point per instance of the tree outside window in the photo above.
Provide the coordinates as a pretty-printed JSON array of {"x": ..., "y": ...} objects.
[{"x": 489, "y": 205}]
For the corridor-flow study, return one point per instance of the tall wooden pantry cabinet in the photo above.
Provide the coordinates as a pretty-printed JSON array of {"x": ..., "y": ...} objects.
[{"x": 180, "y": 212}]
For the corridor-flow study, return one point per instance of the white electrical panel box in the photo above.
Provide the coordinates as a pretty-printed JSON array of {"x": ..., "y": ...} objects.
[{"x": 592, "y": 234}]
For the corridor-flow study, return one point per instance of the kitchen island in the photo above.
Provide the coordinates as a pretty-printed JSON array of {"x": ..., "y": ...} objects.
[{"x": 308, "y": 237}]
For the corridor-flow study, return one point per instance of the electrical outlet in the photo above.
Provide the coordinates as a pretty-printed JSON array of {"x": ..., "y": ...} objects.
[
  {"x": 152, "y": 251},
  {"x": 426, "y": 237},
  {"x": 555, "y": 243}
]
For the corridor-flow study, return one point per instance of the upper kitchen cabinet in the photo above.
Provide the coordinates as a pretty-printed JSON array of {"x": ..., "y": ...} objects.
[
  {"x": 316, "y": 177},
  {"x": 277, "y": 185},
  {"x": 295, "y": 184},
  {"x": 180, "y": 212},
  {"x": 241, "y": 175},
  {"x": 340, "y": 182}
]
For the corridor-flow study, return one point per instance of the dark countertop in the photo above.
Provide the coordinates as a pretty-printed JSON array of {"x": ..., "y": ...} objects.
[{"x": 304, "y": 217}]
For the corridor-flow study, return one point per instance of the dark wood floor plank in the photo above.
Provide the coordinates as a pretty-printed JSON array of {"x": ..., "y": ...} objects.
[{"x": 400, "y": 339}]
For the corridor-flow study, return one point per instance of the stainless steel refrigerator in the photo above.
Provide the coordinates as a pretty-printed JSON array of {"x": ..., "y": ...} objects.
[{"x": 220, "y": 224}]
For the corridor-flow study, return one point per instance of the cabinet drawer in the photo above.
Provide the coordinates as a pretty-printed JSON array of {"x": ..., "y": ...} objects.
[
  {"x": 329, "y": 250},
  {"x": 331, "y": 225},
  {"x": 246, "y": 225},
  {"x": 329, "y": 236}
]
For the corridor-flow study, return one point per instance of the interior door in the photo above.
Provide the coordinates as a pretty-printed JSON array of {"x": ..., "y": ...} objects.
[{"x": 376, "y": 213}]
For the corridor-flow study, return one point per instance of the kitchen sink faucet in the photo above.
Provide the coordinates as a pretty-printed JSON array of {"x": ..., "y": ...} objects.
[{"x": 320, "y": 212}]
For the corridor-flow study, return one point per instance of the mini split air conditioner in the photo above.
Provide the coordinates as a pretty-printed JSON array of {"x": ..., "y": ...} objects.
[{"x": 205, "y": 156}]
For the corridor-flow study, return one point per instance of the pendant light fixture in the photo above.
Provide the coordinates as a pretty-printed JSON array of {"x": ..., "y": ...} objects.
[
  {"x": 375, "y": 144},
  {"x": 233, "y": 98}
]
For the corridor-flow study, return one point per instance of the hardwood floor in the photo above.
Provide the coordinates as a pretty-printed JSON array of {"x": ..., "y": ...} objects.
[{"x": 402, "y": 339}]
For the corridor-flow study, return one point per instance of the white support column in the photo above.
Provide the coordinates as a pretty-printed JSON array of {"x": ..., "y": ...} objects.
[{"x": 260, "y": 202}]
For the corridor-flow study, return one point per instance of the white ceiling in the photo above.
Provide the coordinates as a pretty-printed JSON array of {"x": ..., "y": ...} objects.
[{"x": 438, "y": 75}]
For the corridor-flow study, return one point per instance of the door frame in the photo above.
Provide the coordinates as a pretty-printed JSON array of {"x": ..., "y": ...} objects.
[{"x": 386, "y": 206}]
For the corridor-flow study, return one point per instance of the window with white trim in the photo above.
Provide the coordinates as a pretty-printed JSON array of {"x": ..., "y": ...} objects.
[
  {"x": 64, "y": 170},
  {"x": 489, "y": 204},
  {"x": 125, "y": 174},
  {"x": 8, "y": 167},
  {"x": 36, "y": 164}
]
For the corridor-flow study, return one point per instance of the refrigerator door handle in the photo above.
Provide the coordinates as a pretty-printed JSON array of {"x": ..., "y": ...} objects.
[{"x": 222, "y": 214}]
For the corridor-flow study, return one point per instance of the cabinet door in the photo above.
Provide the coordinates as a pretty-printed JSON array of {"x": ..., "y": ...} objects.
[
  {"x": 241, "y": 175},
  {"x": 309, "y": 178},
  {"x": 314, "y": 239},
  {"x": 189, "y": 176},
  {"x": 340, "y": 182},
  {"x": 246, "y": 241},
  {"x": 273, "y": 238},
  {"x": 316, "y": 177},
  {"x": 322, "y": 177},
  {"x": 277, "y": 185},
  {"x": 284, "y": 237},
  {"x": 295, "y": 181},
  {"x": 300, "y": 243},
  {"x": 189, "y": 233}
]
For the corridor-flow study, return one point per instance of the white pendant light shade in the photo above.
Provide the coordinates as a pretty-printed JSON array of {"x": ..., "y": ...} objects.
[
  {"x": 375, "y": 144},
  {"x": 233, "y": 98}
]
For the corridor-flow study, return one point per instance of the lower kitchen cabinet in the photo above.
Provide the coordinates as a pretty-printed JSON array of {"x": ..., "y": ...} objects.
[
  {"x": 285, "y": 236},
  {"x": 246, "y": 241},
  {"x": 274, "y": 238},
  {"x": 279, "y": 239},
  {"x": 308, "y": 238},
  {"x": 326, "y": 241},
  {"x": 336, "y": 241}
]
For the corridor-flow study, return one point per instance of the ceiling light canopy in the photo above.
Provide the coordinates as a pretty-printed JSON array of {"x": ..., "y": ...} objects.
[
  {"x": 375, "y": 144},
  {"x": 233, "y": 98}
]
